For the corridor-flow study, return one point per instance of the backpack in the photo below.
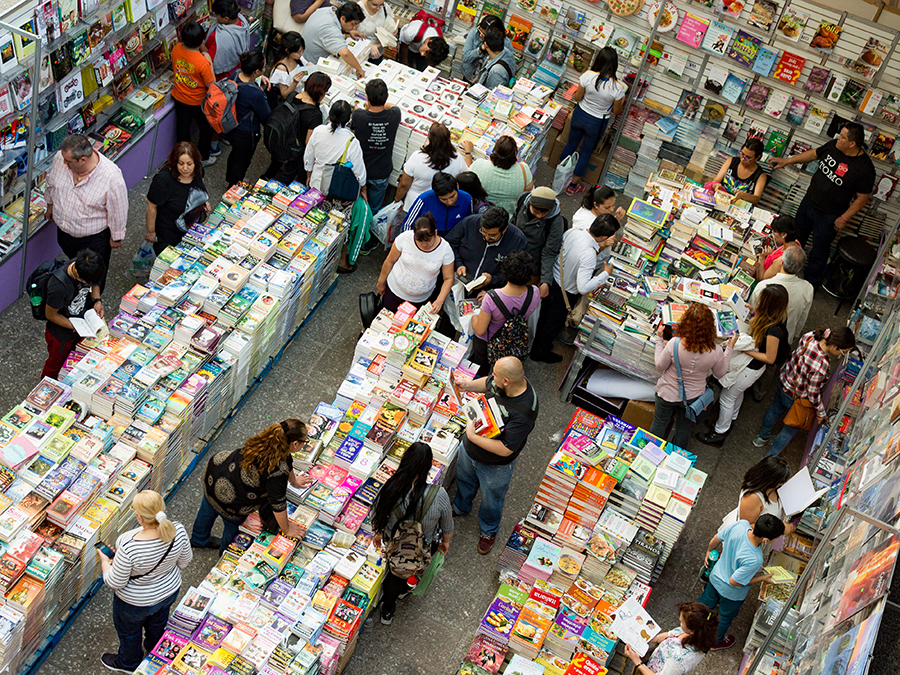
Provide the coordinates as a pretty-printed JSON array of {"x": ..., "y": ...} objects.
[
  {"x": 280, "y": 132},
  {"x": 36, "y": 287},
  {"x": 220, "y": 105},
  {"x": 512, "y": 337},
  {"x": 428, "y": 21},
  {"x": 406, "y": 552}
]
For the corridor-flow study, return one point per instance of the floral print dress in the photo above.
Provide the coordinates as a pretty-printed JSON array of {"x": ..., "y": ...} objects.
[{"x": 673, "y": 658}]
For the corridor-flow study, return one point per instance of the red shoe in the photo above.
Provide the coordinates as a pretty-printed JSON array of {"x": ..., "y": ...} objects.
[
  {"x": 486, "y": 543},
  {"x": 726, "y": 643},
  {"x": 575, "y": 189}
]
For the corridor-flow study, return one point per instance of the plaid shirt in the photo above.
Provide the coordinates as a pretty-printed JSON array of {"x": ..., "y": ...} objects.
[
  {"x": 97, "y": 202},
  {"x": 806, "y": 373}
]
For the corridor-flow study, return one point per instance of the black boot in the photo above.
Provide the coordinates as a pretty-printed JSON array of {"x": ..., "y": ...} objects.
[{"x": 712, "y": 438}]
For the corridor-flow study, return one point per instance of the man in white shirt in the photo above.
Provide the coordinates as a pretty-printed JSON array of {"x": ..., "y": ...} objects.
[
  {"x": 800, "y": 297},
  {"x": 574, "y": 272}
]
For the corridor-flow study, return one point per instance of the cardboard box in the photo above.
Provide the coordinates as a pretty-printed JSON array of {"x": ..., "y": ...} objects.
[{"x": 639, "y": 413}]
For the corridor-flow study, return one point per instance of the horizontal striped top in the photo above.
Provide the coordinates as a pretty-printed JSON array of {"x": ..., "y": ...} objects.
[{"x": 134, "y": 557}]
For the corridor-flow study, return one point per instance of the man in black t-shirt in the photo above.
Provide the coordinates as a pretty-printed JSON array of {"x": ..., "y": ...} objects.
[
  {"x": 376, "y": 129},
  {"x": 487, "y": 464},
  {"x": 840, "y": 187},
  {"x": 72, "y": 290}
]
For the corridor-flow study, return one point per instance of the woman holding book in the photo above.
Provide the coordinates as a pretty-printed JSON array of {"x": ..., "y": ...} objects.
[
  {"x": 769, "y": 336},
  {"x": 405, "y": 497},
  {"x": 769, "y": 262},
  {"x": 253, "y": 478},
  {"x": 177, "y": 197},
  {"x": 600, "y": 95},
  {"x": 698, "y": 355},
  {"x": 742, "y": 177},
  {"x": 145, "y": 575},
  {"x": 681, "y": 649}
]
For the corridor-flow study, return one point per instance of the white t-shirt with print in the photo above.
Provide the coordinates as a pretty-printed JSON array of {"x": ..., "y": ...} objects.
[
  {"x": 415, "y": 273},
  {"x": 598, "y": 102},
  {"x": 420, "y": 170}
]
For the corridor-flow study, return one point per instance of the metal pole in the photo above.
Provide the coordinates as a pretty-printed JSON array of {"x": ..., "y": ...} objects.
[
  {"x": 32, "y": 138},
  {"x": 634, "y": 87}
]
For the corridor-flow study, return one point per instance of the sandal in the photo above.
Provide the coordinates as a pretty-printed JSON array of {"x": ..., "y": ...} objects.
[{"x": 575, "y": 189}]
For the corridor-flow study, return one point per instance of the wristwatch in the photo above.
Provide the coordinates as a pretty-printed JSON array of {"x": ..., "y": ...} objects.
[{"x": 96, "y": 300}]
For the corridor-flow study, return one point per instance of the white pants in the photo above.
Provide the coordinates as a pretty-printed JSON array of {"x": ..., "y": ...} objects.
[{"x": 732, "y": 397}]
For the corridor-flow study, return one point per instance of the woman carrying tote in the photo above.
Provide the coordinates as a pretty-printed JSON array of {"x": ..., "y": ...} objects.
[
  {"x": 406, "y": 496},
  {"x": 328, "y": 143},
  {"x": 177, "y": 197},
  {"x": 804, "y": 377},
  {"x": 769, "y": 334},
  {"x": 253, "y": 478},
  {"x": 599, "y": 95},
  {"x": 698, "y": 356},
  {"x": 145, "y": 575}
]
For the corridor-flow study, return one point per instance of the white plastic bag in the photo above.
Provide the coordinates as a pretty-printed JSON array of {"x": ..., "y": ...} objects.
[
  {"x": 385, "y": 219},
  {"x": 564, "y": 172}
]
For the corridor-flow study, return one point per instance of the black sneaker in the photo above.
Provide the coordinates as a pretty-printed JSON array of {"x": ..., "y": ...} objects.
[
  {"x": 369, "y": 246},
  {"x": 111, "y": 662},
  {"x": 549, "y": 357},
  {"x": 387, "y": 618},
  {"x": 213, "y": 542},
  {"x": 712, "y": 438}
]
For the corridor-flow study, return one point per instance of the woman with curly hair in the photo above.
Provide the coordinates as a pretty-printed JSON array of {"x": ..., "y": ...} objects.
[
  {"x": 252, "y": 478},
  {"x": 698, "y": 355}
]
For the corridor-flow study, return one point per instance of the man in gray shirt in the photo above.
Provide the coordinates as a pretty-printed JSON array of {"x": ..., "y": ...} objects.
[{"x": 325, "y": 32}]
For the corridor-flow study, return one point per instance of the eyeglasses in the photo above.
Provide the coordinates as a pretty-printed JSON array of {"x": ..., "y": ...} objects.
[
  {"x": 747, "y": 158},
  {"x": 491, "y": 235}
]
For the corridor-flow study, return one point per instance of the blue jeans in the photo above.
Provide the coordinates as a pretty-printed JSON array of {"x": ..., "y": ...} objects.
[
  {"x": 493, "y": 481},
  {"x": 203, "y": 524},
  {"x": 728, "y": 609},
  {"x": 132, "y": 623},
  {"x": 662, "y": 413},
  {"x": 585, "y": 130},
  {"x": 375, "y": 190},
  {"x": 780, "y": 405},
  {"x": 821, "y": 226}
]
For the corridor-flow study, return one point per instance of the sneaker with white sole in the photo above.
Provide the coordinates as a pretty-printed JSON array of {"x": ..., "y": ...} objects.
[
  {"x": 727, "y": 642},
  {"x": 209, "y": 162},
  {"x": 760, "y": 442},
  {"x": 111, "y": 662},
  {"x": 387, "y": 618},
  {"x": 215, "y": 151}
]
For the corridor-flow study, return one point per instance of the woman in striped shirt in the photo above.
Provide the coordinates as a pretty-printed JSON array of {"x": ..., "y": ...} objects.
[{"x": 145, "y": 575}]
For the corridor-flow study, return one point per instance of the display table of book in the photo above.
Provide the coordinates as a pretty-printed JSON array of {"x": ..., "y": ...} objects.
[
  {"x": 682, "y": 245},
  {"x": 605, "y": 519},
  {"x": 278, "y": 605},
  {"x": 137, "y": 407}
]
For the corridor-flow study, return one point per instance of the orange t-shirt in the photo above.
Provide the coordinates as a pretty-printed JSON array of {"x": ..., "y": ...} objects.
[{"x": 193, "y": 75}]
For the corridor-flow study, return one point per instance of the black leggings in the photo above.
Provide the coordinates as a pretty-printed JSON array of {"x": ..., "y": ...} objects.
[
  {"x": 185, "y": 116},
  {"x": 243, "y": 145}
]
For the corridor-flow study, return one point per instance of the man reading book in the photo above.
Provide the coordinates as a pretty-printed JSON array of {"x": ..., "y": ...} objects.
[
  {"x": 737, "y": 569},
  {"x": 487, "y": 464},
  {"x": 72, "y": 290}
]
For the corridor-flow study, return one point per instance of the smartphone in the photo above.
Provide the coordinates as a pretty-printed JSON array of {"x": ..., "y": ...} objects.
[
  {"x": 105, "y": 550},
  {"x": 668, "y": 333}
]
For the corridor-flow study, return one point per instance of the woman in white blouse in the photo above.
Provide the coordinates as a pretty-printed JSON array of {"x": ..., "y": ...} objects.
[
  {"x": 378, "y": 13},
  {"x": 288, "y": 73},
  {"x": 327, "y": 145},
  {"x": 145, "y": 574},
  {"x": 438, "y": 154}
]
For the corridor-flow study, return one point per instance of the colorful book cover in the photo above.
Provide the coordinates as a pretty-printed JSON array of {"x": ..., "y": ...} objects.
[
  {"x": 789, "y": 68},
  {"x": 744, "y": 49},
  {"x": 765, "y": 60},
  {"x": 580, "y": 58},
  {"x": 873, "y": 54},
  {"x": 763, "y": 14},
  {"x": 826, "y": 37},
  {"x": 734, "y": 88},
  {"x": 853, "y": 93},
  {"x": 624, "y": 42},
  {"x": 550, "y": 10},
  {"x": 817, "y": 80},
  {"x": 792, "y": 24},
  {"x": 717, "y": 38},
  {"x": 692, "y": 30},
  {"x": 756, "y": 97},
  {"x": 517, "y": 31},
  {"x": 536, "y": 43},
  {"x": 881, "y": 146},
  {"x": 776, "y": 104},
  {"x": 815, "y": 122},
  {"x": 466, "y": 10},
  {"x": 796, "y": 111}
]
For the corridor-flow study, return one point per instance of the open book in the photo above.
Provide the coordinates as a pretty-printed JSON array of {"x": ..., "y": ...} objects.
[
  {"x": 798, "y": 493},
  {"x": 470, "y": 283},
  {"x": 91, "y": 326}
]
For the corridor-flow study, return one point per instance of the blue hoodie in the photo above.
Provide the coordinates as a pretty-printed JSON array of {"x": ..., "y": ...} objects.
[{"x": 445, "y": 216}]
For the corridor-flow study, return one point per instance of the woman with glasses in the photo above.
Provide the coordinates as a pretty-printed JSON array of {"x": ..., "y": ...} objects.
[
  {"x": 742, "y": 177},
  {"x": 411, "y": 270},
  {"x": 378, "y": 14}
]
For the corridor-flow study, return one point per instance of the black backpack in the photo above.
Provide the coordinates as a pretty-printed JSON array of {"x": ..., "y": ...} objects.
[
  {"x": 281, "y": 133},
  {"x": 36, "y": 287}
]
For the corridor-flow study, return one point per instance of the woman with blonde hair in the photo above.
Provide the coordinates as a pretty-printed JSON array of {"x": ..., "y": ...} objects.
[
  {"x": 698, "y": 355},
  {"x": 252, "y": 478},
  {"x": 769, "y": 335},
  {"x": 145, "y": 574}
]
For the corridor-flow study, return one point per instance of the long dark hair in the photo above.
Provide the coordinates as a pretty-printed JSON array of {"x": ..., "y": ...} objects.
[
  {"x": 469, "y": 181},
  {"x": 339, "y": 115},
  {"x": 769, "y": 473},
  {"x": 596, "y": 195},
  {"x": 606, "y": 64},
  {"x": 439, "y": 147},
  {"x": 409, "y": 479},
  {"x": 701, "y": 624},
  {"x": 840, "y": 337}
]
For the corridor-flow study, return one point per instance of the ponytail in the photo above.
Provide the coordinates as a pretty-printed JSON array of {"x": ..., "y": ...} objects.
[
  {"x": 841, "y": 337},
  {"x": 149, "y": 505},
  {"x": 702, "y": 626},
  {"x": 271, "y": 446}
]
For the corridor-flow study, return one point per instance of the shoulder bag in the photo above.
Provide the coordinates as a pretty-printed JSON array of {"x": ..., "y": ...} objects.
[
  {"x": 697, "y": 410},
  {"x": 158, "y": 562},
  {"x": 802, "y": 415},
  {"x": 342, "y": 182},
  {"x": 576, "y": 313}
]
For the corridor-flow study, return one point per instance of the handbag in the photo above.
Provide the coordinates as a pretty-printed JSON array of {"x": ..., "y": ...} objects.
[
  {"x": 801, "y": 415},
  {"x": 576, "y": 313},
  {"x": 697, "y": 410},
  {"x": 343, "y": 184}
]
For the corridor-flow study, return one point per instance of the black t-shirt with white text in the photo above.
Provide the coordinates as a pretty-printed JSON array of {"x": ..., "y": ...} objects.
[
  {"x": 68, "y": 297},
  {"x": 376, "y": 133},
  {"x": 839, "y": 179},
  {"x": 517, "y": 424}
]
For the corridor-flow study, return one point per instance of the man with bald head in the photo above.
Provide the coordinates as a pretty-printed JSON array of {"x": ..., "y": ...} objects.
[{"x": 487, "y": 464}]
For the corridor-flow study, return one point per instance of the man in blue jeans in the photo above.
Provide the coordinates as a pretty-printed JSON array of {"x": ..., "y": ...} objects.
[
  {"x": 487, "y": 464},
  {"x": 737, "y": 569}
]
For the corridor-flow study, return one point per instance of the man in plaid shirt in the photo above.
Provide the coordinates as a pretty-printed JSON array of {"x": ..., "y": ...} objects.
[
  {"x": 88, "y": 199},
  {"x": 804, "y": 376}
]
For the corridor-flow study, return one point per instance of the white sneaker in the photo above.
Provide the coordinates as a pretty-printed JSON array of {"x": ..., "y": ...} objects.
[{"x": 208, "y": 162}]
